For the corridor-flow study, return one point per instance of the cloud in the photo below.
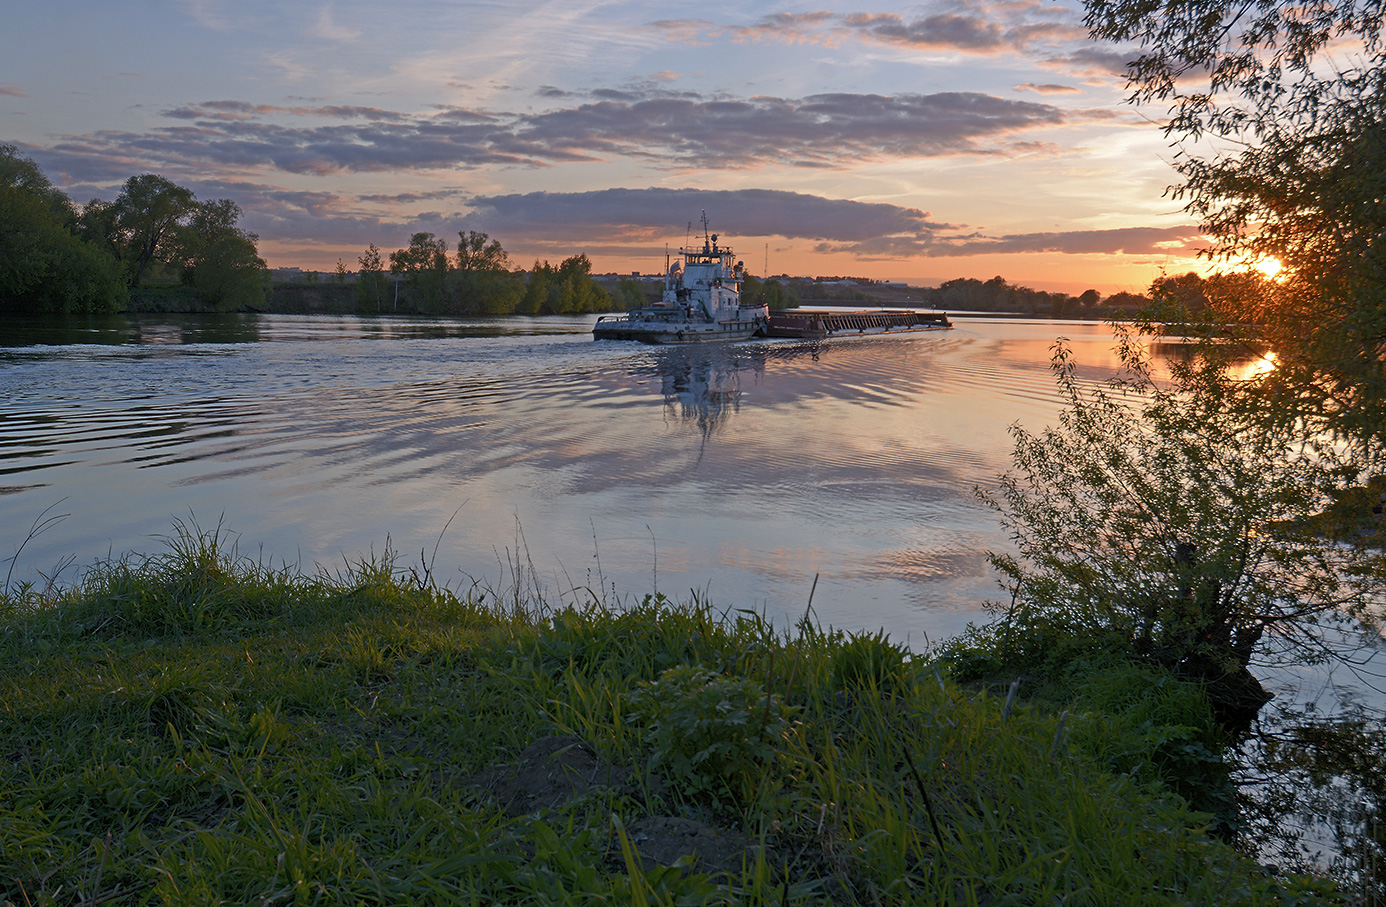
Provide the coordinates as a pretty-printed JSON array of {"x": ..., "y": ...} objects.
[
  {"x": 634, "y": 213},
  {"x": 10, "y": 91},
  {"x": 1048, "y": 88},
  {"x": 665, "y": 129},
  {"x": 969, "y": 26},
  {"x": 1048, "y": 34},
  {"x": 327, "y": 28},
  {"x": 825, "y": 130},
  {"x": 1099, "y": 63},
  {"x": 1126, "y": 240},
  {"x": 242, "y": 110},
  {"x": 209, "y": 14}
]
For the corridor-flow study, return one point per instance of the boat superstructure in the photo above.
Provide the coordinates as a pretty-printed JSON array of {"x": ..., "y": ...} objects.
[{"x": 701, "y": 302}]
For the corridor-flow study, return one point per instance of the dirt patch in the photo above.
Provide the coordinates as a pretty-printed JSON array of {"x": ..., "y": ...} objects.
[
  {"x": 664, "y": 840},
  {"x": 552, "y": 771}
]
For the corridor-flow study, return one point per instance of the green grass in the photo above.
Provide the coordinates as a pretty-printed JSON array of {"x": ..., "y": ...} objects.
[{"x": 196, "y": 728}]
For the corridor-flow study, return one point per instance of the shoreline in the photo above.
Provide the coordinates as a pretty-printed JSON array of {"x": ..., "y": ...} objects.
[{"x": 229, "y": 732}]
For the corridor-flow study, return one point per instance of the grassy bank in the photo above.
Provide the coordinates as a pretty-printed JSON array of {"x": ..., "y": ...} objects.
[{"x": 196, "y": 728}]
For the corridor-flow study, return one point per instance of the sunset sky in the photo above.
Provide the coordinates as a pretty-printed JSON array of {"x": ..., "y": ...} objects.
[{"x": 959, "y": 138}]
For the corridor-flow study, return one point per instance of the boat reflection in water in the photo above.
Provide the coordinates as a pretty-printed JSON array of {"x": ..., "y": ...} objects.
[{"x": 701, "y": 385}]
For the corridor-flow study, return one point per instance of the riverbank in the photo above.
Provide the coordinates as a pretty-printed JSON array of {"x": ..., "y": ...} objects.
[
  {"x": 284, "y": 299},
  {"x": 214, "y": 730}
]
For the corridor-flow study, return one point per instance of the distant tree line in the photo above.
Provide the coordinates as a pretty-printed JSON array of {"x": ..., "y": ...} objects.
[
  {"x": 996, "y": 295},
  {"x": 58, "y": 258},
  {"x": 477, "y": 279},
  {"x": 971, "y": 294},
  {"x": 1185, "y": 293}
]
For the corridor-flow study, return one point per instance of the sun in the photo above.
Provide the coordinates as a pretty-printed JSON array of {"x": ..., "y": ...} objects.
[
  {"x": 1267, "y": 266},
  {"x": 1270, "y": 268}
]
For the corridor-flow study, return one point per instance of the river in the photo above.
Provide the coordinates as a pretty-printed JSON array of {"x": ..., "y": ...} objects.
[{"x": 490, "y": 450}]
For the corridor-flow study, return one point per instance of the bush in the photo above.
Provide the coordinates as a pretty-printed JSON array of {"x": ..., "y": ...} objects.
[{"x": 711, "y": 734}]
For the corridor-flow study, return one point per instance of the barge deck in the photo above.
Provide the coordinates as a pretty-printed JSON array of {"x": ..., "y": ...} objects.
[{"x": 816, "y": 325}]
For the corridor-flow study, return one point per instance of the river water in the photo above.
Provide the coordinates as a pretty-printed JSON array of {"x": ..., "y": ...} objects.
[{"x": 735, "y": 472}]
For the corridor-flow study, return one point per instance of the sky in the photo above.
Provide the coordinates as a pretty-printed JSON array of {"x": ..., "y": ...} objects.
[{"x": 955, "y": 138}]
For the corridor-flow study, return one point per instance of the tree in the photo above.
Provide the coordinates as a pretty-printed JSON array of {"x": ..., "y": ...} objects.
[
  {"x": 564, "y": 290},
  {"x": 142, "y": 224},
  {"x": 1289, "y": 103},
  {"x": 424, "y": 266},
  {"x": 578, "y": 292},
  {"x": 1184, "y": 290},
  {"x": 538, "y": 288},
  {"x": 231, "y": 273},
  {"x": 630, "y": 294},
  {"x": 482, "y": 283},
  {"x": 1160, "y": 522},
  {"x": 219, "y": 258},
  {"x": 21, "y": 173},
  {"x": 370, "y": 285},
  {"x": 207, "y": 223},
  {"x": 45, "y": 267},
  {"x": 1126, "y": 302},
  {"x": 768, "y": 292},
  {"x": 478, "y": 252}
]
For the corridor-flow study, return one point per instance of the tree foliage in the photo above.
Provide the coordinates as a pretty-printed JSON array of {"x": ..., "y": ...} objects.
[
  {"x": 478, "y": 252},
  {"x": 1160, "y": 521},
  {"x": 567, "y": 289},
  {"x": 23, "y": 175},
  {"x": 231, "y": 273},
  {"x": 370, "y": 280},
  {"x": 1279, "y": 110},
  {"x": 44, "y": 266},
  {"x": 221, "y": 259},
  {"x": 997, "y": 295},
  {"x": 143, "y": 225},
  {"x": 424, "y": 267},
  {"x": 769, "y": 292}
]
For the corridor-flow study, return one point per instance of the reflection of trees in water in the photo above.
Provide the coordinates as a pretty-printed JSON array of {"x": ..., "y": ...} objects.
[
  {"x": 181, "y": 330},
  {"x": 1245, "y": 362}
]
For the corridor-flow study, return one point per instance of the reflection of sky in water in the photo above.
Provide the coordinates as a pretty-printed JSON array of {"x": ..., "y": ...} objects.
[{"x": 739, "y": 470}]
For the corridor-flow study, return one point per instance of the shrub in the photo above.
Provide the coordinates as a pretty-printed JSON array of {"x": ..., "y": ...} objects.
[{"x": 711, "y": 734}]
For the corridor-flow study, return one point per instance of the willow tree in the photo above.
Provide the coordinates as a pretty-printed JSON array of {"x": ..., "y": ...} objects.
[
  {"x": 1158, "y": 523},
  {"x": 1278, "y": 110}
]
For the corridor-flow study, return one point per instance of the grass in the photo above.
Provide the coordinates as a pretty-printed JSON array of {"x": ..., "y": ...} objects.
[{"x": 197, "y": 728}]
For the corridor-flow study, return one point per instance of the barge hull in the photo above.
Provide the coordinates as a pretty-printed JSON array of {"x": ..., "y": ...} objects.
[{"x": 816, "y": 325}]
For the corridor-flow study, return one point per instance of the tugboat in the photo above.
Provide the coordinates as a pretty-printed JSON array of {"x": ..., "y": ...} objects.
[{"x": 701, "y": 303}]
